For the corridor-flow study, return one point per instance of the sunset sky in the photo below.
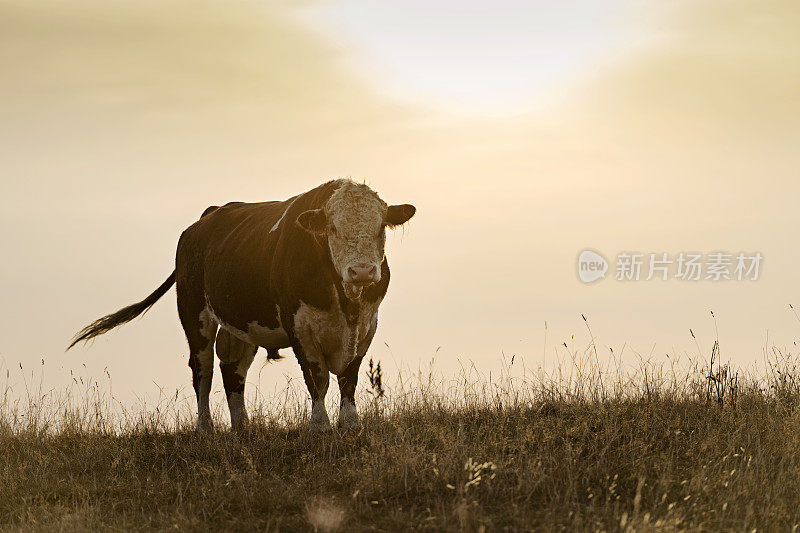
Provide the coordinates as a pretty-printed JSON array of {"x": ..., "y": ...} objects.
[{"x": 524, "y": 132}]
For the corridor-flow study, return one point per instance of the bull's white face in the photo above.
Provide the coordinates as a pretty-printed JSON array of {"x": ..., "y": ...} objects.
[
  {"x": 354, "y": 220},
  {"x": 356, "y": 235}
]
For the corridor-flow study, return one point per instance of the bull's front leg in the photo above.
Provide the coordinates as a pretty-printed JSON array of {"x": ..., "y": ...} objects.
[
  {"x": 348, "y": 416},
  {"x": 317, "y": 377}
]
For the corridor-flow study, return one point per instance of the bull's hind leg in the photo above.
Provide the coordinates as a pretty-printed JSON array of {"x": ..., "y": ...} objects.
[
  {"x": 201, "y": 329},
  {"x": 235, "y": 358}
]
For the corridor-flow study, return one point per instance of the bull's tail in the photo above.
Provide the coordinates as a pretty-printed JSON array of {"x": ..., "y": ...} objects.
[{"x": 124, "y": 315}]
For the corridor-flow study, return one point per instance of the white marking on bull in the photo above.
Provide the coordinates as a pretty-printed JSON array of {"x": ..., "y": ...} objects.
[
  {"x": 320, "y": 333},
  {"x": 327, "y": 333},
  {"x": 278, "y": 223},
  {"x": 358, "y": 214}
]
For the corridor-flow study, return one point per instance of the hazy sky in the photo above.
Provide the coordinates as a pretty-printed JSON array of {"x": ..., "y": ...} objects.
[
  {"x": 523, "y": 133},
  {"x": 478, "y": 57}
]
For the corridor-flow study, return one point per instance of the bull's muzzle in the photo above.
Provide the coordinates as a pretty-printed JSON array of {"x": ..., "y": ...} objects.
[{"x": 362, "y": 274}]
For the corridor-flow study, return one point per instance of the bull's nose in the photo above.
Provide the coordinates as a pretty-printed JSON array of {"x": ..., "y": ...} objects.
[{"x": 362, "y": 274}]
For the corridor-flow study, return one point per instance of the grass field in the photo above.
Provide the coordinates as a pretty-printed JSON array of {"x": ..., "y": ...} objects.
[{"x": 586, "y": 448}]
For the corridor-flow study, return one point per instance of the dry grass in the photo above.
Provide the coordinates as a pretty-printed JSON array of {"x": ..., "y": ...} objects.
[{"x": 586, "y": 448}]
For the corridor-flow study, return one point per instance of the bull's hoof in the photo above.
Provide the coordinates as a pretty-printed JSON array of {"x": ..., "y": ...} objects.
[
  {"x": 319, "y": 425},
  {"x": 319, "y": 417},
  {"x": 349, "y": 424},
  {"x": 241, "y": 426},
  {"x": 204, "y": 426},
  {"x": 348, "y": 417}
]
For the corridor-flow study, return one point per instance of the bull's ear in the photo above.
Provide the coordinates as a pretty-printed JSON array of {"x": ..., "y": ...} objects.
[
  {"x": 399, "y": 214},
  {"x": 313, "y": 221}
]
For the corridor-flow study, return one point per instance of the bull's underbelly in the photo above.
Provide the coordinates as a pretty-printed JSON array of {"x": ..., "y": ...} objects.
[
  {"x": 256, "y": 333},
  {"x": 271, "y": 339}
]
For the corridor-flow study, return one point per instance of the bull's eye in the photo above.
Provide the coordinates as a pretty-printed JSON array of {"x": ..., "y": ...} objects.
[{"x": 333, "y": 229}]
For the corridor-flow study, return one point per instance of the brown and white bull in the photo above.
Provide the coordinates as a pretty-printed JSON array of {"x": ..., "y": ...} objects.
[{"x": 307, "y": 273}]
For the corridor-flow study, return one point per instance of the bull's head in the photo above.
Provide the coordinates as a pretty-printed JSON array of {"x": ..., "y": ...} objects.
[{"x": 354, "y": 220}]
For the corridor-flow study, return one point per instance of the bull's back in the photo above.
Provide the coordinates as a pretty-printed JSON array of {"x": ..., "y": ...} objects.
[{"x": 227, "y": 255}]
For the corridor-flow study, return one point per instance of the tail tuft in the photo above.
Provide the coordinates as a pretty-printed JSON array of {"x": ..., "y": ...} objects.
[{"x": 124, "y": 315}]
